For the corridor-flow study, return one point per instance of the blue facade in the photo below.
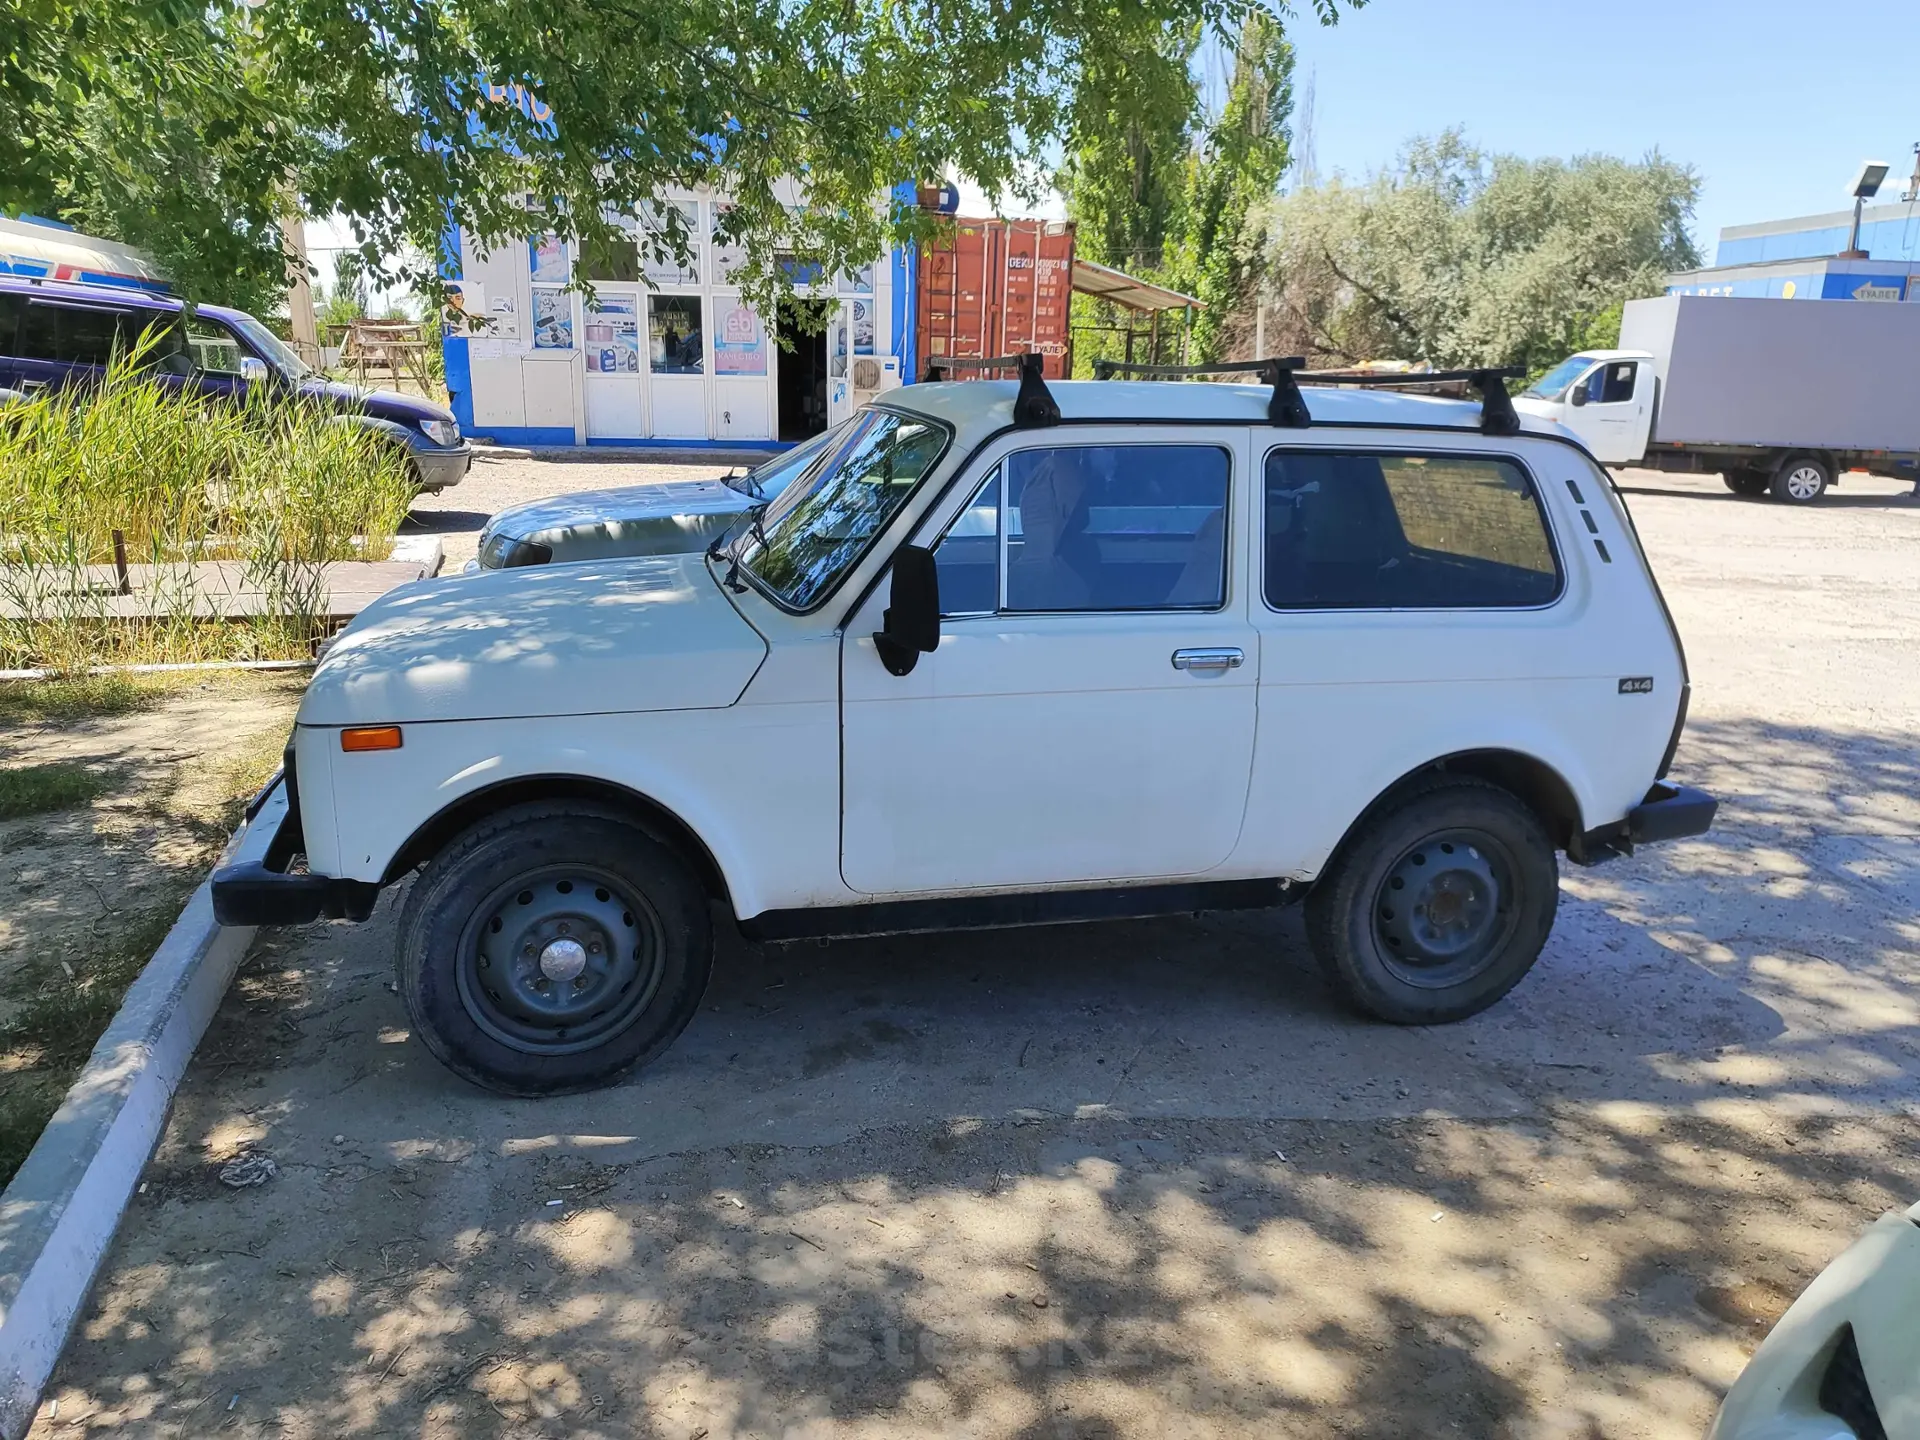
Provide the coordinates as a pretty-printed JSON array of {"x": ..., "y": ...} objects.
[{"x": 1887, "y": 232}]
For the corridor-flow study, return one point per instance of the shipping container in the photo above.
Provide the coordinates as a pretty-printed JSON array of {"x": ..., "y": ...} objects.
[{"x": 997, "y": 287}]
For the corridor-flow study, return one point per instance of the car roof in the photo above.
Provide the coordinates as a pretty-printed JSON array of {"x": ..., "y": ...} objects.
[
  {"x": 976, "y": 408},
  {"x": 122, "y": 296}
]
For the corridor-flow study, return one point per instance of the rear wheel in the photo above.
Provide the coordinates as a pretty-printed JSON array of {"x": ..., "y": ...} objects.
[
  {"x": 553, "y": 948},
  {"x": 1801, "y": 479},
  {"x": 1747, "y": 482},
  {"x": 1438, "y": 906}
]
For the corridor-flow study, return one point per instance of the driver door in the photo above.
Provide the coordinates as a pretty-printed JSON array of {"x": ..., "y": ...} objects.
[{"x": 1089, "y": 713}]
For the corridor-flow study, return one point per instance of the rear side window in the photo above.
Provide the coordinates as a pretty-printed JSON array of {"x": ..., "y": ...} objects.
[
  {"x": 78, "y": 335},
  {"x": 1356, "y": 531}
]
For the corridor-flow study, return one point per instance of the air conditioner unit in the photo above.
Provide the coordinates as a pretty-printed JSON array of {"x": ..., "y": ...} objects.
[{"x": 866, "y": 373}]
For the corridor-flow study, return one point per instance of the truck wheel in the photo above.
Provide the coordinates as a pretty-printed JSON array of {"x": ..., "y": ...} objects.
[
  {"x": 1801, "y": 479},
  {"x": 1747, "y": 482},
  {"x": 553, "y": 948},
  {"x": 1437, "y": 906}
]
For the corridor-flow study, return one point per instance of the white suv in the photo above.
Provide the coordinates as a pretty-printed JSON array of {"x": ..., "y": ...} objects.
[{"x": 1006, "y": 657}]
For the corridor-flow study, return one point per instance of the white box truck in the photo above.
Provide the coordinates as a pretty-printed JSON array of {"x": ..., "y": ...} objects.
[{"x": 1779, "y": 397}]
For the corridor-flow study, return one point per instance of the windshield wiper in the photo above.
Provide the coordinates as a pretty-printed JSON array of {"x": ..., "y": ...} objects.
[{"x": 754, "y": 532}]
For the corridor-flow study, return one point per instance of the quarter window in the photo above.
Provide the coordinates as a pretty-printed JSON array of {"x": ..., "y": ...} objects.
[
  {"x": 1395, "y": 531},
  {"x": 73, "y": 336}
]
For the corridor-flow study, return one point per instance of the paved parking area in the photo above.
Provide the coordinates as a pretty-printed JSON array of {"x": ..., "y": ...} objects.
[{"x": 1132, "y": 1180}]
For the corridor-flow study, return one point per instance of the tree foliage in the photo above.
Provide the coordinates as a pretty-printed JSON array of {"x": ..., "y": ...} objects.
[
  {"x": 515, "y": 116},
  {"x": 1460, "y": 258},
  {"x": 1159, "y": 189}
]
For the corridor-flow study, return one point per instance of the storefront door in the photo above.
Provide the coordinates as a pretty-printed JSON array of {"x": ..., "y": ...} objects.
[
  {"x": 840, "y": 364},
  {"x": 610, "y": 338},
  {"x": 677, "y": 363}
]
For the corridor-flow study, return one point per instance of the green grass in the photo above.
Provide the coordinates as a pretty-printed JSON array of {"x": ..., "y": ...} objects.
[
  {"x": 37, "y": 789},
  {"x": 45, "y": 1041},
  {"x": 80, "y": 697}
]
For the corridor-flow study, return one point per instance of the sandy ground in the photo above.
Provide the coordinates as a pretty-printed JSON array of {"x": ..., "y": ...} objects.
[
  {"x": 70, "y": 878},
  {"x": 1133, "y": 1180}
]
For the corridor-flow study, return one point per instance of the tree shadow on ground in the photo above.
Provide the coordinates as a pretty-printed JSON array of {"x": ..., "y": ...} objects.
[{"x": 820, "y": 1216}]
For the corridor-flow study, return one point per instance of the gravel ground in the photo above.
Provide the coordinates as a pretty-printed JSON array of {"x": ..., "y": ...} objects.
[{"x": 1131, "y": 1180}]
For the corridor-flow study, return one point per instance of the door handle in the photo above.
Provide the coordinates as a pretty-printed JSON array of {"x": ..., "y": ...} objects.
[{"x": 1225, "y": 658}]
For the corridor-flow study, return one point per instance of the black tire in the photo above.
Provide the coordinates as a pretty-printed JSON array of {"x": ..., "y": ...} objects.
[
  {"x": 1801, "y": 479},
  {"x": 494, "y": 963},
  {"x": 1465, "y": 843},
  {"x": 1748, "y": 482}
]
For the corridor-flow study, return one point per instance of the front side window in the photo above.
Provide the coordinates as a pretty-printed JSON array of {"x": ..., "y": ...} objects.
[
  {"x": 819, "y": 526},
  {"x": 1392, "y": 531},
  {"x": 215, "y": 351},
  {"x": 1616, "y": 382},
  {"x": 1092, "y": 527}
]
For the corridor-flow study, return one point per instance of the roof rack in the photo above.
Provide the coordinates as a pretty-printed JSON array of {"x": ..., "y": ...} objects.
[
  {"x": 1288, "y": 407},
  {"x": 1033, "y": 407}
]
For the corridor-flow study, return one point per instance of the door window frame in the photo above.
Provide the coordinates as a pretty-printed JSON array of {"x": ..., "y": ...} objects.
[
  {"x": 1555, "y": 549},
  {"x": 998, "y": 466}
]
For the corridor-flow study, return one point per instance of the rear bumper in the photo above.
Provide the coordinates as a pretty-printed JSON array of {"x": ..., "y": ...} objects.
[
  {"x": 1670, "y": 812},
  {"x": 440, "y": 467},
  {"x": 271, "y": 892}
]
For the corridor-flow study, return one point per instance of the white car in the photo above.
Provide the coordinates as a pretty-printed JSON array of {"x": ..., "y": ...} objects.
[
  {"x": 1006, "y": 657},
  {"x": 1844, "y": 1362},
  {"x": 668, "y": 518}
]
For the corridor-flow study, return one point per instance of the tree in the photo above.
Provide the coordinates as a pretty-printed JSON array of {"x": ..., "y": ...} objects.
[
  {"x": 514, "y": 116},
  {"x": 1458, "y": 258},
  {"x": 1229, "y": 183}
]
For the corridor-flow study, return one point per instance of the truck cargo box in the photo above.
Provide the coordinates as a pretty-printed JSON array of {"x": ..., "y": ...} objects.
[
  {"x": 997, "y": 287},
  {"x": 1786, "y": 374}
]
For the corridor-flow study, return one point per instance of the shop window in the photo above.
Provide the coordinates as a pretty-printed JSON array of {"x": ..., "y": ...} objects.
[
  {"x": 676, "y": 342},
  {"x": 661, "y": 240}
]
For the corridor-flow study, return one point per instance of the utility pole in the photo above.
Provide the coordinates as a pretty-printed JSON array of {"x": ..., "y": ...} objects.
[{"x": 306, "y": 331}]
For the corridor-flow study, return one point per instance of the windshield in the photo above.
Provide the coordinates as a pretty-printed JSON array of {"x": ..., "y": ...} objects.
[
  {"x": 272, "y": 348},
  {"x": 767, "y": 479},
  {"x": 1553, "y": 385},
  {"x": 818, "y": 529}
]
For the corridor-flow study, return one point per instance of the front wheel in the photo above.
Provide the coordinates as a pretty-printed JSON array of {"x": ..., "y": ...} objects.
[
  {"x": 553, "y": 948},
  {"x": 1801, "y": 480},
  {"x": 1438, "y": 905}
]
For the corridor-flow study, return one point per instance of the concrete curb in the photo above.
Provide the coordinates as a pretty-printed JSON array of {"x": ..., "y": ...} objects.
[{"x": 60, "y": 1213}]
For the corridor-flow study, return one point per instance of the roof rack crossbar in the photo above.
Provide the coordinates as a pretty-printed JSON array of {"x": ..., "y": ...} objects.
[
  {"x": 1497, "y": 415},
  {"x": 1033, "y": 406},
  {"x": 1285, "y": 408}
]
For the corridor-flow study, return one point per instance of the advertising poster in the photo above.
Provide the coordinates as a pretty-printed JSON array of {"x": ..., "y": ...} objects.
[
  {"x": 552, "y": 320},
  {"x": 503, "y": 320},
  {"x": 657, "y": 262},
  {"x": 863, "y": 327},
  {"x": 611, "y": 334},
  {"x": 860, "y": 282},
  {"x": 728, "y": 257},
  {"x": 548, "y": 258},
  {"x": 740, "y": 346}
]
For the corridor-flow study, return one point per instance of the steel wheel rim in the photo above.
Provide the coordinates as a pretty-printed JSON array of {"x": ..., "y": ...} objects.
[
  {"x": 560, "y": 960},
  {"x": 1805, "y": 482},
  {"x": 1444, "y": 909}
]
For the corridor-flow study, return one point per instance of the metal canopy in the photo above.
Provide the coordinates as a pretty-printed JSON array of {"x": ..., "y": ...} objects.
[{"x": 1106, "y": 283}]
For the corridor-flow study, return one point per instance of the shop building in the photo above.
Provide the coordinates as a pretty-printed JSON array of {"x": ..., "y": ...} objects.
[
  {"x": 665, "y": 353},
  {"x": 1806, "y": 258}
]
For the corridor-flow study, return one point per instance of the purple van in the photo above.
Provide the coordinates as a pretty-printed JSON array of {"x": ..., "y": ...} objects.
[{"x": 54, "y": 334}]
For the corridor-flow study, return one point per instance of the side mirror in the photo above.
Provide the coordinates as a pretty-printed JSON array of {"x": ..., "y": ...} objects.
[
  {"x": 911, "y": 625},
  {"x": 253, "y": 370},
  {"x": 1578, "y": 395}
]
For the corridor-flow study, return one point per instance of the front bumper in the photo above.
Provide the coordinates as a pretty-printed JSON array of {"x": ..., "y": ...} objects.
[
  {"x": 1670, "y": 812},
  {"x": 270, "y": 891},
  {"x": 440, "y": 465}
]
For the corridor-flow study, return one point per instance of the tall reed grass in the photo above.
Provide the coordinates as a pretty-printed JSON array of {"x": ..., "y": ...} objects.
[{"x": 281, "y": 485}]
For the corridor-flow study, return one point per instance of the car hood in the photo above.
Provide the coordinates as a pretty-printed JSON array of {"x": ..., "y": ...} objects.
[
  {"x": 383, "y": 404},
  {"x": 644, "y": 634},
  {"x": 668, "y": 519}
]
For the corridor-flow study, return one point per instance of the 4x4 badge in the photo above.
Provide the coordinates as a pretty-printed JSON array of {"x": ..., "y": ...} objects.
[{"x": 1636, "y": 684}]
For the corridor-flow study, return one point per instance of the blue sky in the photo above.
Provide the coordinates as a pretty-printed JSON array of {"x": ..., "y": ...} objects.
[{"x": 1774, "y": 102}]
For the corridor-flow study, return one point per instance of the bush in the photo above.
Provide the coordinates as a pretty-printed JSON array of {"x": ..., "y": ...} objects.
[{"x": 279, "y": 486}]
